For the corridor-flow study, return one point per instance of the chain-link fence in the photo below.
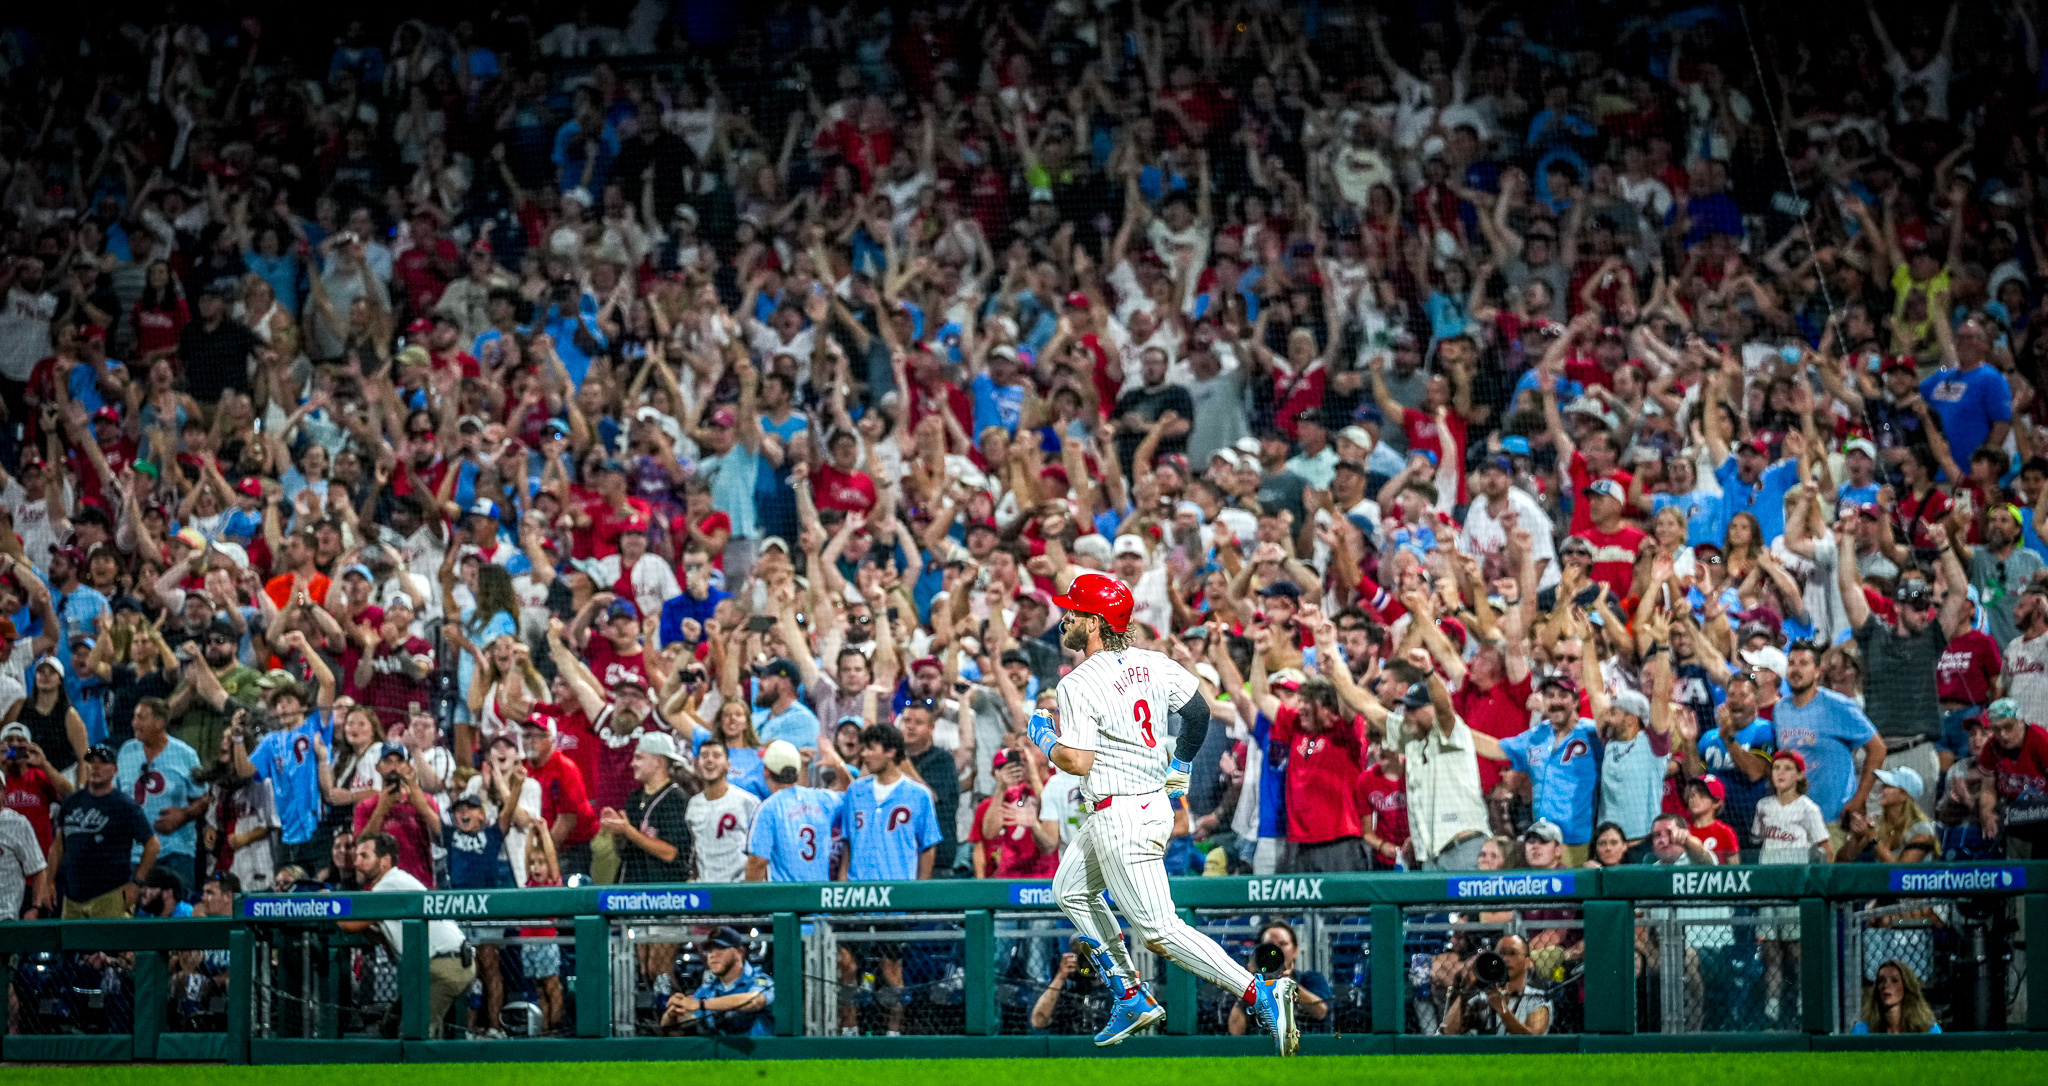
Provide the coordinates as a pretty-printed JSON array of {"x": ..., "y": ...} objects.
[
  {"x": 655, "y": 959},
  {"x": 1727, "y": 967},
  {"x": 525, "y": 977},
  {"x": 58, "y": 994},
  {"x": 308, "y": 984},
  {"x": 1958, "y": 956},
  {"x": 88, "y": 994},
  {"x": 890, "y": 975},
  {"x": 1473, "y": 972},
  {"x": 1032, "y": 951}
]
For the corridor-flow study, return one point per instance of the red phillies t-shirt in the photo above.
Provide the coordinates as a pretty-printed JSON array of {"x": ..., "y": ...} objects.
[
  {"x": 417, "y": 275},
  {"x": 713, "y": 523},
  {"x": 1582, "y": 509},
  {"x": 1720, "y": 839},
  {"x": 1614, "y": 557},
  {"x": 403, "y": 823},
  {"x": 610, "y": 665},
  {"x": 846, "y": 491},
  {"x": 1322, "y": 775},
  {"x": 29, "y": 793},
  {"x": 159, "y": 329},
  {"x": 561, "y": 792},
  {"x": 607, "y": 524},
  {"x": 1387, "y": 799},
  {"x": 2022, "y": 771},
  {"x": 1502, "y": 712},
  {"x": 603, "y": 757},
  {"x": 1013, "y": 852},
  {"x": 1968, "y": 670}
]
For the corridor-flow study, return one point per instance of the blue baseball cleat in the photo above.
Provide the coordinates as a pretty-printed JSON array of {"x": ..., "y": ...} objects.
[
  {"x": 1275, "y": 1008},
  {"x": 1132, "y": 1013}
]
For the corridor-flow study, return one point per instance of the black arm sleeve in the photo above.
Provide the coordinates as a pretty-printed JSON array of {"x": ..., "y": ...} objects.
[{"x": 1194, "y": 727}]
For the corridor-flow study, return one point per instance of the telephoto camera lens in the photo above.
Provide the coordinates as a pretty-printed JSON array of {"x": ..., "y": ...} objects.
[
  {"x": 1489, "y": 969},
  {"x": 1267, "y": 959}
]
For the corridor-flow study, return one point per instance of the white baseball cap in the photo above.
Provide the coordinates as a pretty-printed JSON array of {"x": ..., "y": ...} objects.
[
  {"x": 1770, "y": 658},
  {"x": 782, "y": 761},
  {"x": 1130, "y": 544},
  {"x": 661, "y": 745}
]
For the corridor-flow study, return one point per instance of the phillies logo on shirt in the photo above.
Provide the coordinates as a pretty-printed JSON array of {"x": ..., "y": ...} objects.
[
  {"x": 301, "y": 746},
  {"x": 1577, "y": 748},
  {"x": 615, "y": 671},
  {"x": 150, "y": 783},
  {"x": 898, "y": 816},
  {"x": 726, "y": 822}
]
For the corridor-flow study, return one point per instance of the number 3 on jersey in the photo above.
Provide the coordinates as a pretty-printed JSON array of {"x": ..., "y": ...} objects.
[
  {"x": 1141, "y": 711},
  {"x": 810, "y": 839}
]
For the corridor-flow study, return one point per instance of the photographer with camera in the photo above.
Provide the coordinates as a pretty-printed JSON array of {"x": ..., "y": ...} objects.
[
  {"x": 1274, "y": 956},
  {"x": 1492, "y": 995}
]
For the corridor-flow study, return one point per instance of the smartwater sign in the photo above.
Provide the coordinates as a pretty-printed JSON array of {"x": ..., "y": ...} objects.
[
  {"x": 653, "y": 901},
  {"x": 1958, "y": 880},
  {"x": 1513, "y": 886},
  {"x": 1031, "y": 895},
  {"x": 294, "y": 908}
]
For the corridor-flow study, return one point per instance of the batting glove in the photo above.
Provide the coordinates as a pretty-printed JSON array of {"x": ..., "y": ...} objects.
[
  {"x": 1177, "y": 778},
  {"x": 1041, "y": 732}
]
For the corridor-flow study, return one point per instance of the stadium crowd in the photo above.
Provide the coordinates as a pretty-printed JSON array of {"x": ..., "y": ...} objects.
[{"x": 646, "y": 447}]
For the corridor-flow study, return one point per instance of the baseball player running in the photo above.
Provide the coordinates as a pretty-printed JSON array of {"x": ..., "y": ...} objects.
[{"x": 1113, "y": 712}]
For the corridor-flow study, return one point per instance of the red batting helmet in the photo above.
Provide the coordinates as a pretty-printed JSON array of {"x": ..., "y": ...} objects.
[{"x": 1095, "y": 594}]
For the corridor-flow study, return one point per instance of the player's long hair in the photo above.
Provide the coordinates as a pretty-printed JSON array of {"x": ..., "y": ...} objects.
[{"x": 1112, "y": 640}]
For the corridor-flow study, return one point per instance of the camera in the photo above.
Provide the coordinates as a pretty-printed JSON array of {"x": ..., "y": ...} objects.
[
  {"x": 1489, "y": 969},
  {"x": 393, "y": 782},
  {"x": 1267, "y": 959}
]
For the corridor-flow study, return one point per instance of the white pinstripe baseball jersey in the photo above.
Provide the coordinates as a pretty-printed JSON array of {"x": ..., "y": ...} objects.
[{"x": 1117, "y": 704}]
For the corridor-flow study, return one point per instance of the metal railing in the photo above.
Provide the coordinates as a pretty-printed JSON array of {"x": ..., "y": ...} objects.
[{"x": 1655, "y": 956}]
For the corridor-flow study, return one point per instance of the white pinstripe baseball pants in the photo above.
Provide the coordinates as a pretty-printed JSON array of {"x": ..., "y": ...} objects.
[{"x": 1122, "y": 848}]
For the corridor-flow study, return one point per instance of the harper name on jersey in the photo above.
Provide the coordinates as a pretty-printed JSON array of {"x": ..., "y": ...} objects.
[{"x": 1119, "y": 704}]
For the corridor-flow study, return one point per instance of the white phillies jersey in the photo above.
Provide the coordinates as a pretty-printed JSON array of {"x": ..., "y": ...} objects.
[
  {"x": 719, "y": 828},
  {"x": 1117, "y": 704}
]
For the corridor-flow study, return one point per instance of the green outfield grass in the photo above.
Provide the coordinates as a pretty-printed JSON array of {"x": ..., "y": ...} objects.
[{"x": 1861, "y": 1069}]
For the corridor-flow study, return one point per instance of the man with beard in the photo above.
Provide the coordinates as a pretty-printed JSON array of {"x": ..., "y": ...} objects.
[
  {"x": 1561, "y": 757},
  {"x": 211, "y": 677},
  {"x": 1825, "y": 729},
  {"x": 614, "y": 723},
  {"x": 777, "y": 712},
  {"x": 2001, "y": 570},
  {"x": 1901, "y": 663},
  {"x": 78, "y": 605}
]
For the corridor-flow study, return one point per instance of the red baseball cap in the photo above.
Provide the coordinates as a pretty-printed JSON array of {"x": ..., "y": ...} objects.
[
  {"x": 1792, "y": 756},
  {"x": 1720, "y": 791},
  {"x": 251, "y": 486}
]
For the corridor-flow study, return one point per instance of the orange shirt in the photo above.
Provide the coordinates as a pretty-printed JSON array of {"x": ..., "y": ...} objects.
[{"x": 280, "y": 589}]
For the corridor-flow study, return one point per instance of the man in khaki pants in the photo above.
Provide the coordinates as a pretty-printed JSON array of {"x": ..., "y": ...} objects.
[
  {"x": 103, "y": 850},
  {"x": 453, "y": 967}
]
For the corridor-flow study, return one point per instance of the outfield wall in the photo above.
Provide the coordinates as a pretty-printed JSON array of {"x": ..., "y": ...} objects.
[{"x": 1647, "y": 974}]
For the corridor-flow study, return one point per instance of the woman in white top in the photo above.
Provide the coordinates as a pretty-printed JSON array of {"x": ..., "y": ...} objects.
[{"x": 1793, "y": 831}]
